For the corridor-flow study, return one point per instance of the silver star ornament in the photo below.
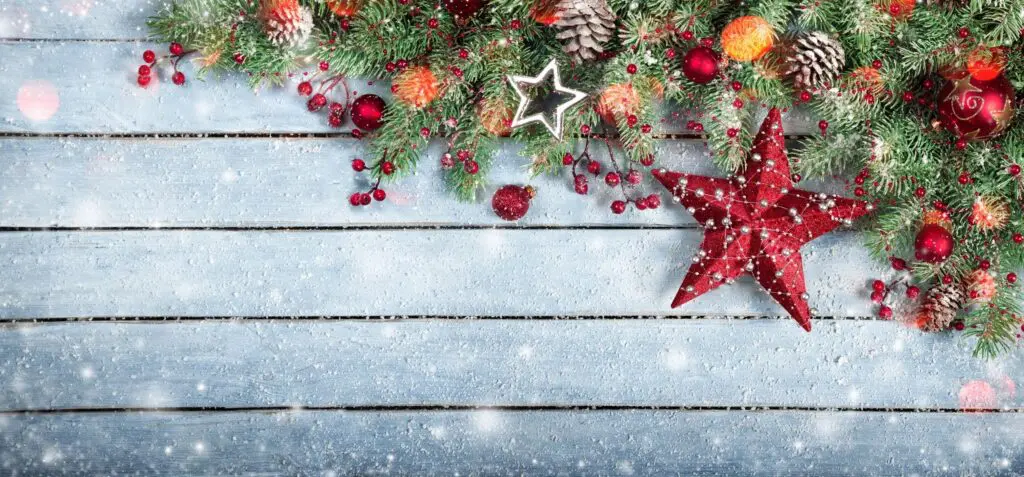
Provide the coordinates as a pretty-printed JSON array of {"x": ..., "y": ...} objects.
[{"x": 567, "y": 98}]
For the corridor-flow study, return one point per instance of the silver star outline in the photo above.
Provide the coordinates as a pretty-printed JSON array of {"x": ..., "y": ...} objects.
[{"x": 524, "y": 101}]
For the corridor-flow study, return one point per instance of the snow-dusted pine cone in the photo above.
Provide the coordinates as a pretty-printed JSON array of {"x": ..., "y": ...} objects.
[
  {"x": 815, "y": 59},
  {"x": 287, "y": 23},
  {"x": 585, "y": 26},
  {"x": 940, "y": 307}
]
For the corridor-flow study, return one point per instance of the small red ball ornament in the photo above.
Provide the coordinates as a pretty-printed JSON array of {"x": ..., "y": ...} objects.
[
  {"x": 975, "y": 109},
  {"x": 463, "y": 9},
  {"x": 511, "y": 202},
  {"x": 368, "y": 111},
  {"x": 934, "y": 244},
  {"x": 700, "y": 65}
]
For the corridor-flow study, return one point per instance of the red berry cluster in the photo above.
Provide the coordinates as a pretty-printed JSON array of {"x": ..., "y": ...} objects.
[
  {"x": 375, "y": 193},
  {"x": 177, "y": 53},
  {"x": 464, "y": 157},
  {"x": 317, "y": 101},
  {"x": 613, "y": 179}
]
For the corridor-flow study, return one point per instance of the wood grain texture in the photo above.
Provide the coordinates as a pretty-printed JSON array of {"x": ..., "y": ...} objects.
[
  {"x": 394, "y": 272},
  {"x": 492, "y": 442},
  {"x": 86, "y": 182},
  {"x": 442, "y": 362},
  {"x": 101, "y": 97}
]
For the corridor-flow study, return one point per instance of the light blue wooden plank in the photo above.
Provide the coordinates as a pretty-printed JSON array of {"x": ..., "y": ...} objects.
[
  {"x": 711, "y": 362},
  {"x": 489, "y": 442},
  {"x": 88, "y": 87},
  {"x": 76, "y": 19},
  {"x": 394, "y": 272},
  {"x": 273, "y": 182}
]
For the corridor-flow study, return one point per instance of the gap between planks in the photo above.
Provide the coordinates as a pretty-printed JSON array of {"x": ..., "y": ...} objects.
[{"x": 394, "y": 319}]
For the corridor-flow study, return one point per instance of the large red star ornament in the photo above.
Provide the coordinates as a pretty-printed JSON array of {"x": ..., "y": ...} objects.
[{"x": 756, "y": 222}]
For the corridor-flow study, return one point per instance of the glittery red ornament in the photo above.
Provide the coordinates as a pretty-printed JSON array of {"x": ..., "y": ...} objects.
[
  {"x": 463, "y": 9},
  {"x": 756, "y": 223},
  {"x": 700, "y": 65},
  {"x": 934, "y": 244},
  {"x": 975, "y": 109},
  {"x": 368, "y": 112},
  {"x": 511, "y": 202}
]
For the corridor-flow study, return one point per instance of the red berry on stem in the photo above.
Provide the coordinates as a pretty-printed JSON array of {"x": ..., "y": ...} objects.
[
  {"x": 653, "y": 201},
  {"x": 594, "y": 167},
  {"x": 641, "y": 204},
  {"x": 387, "y": 168},
  {"x": 885, "y": 312},
  {"x": 358, "y": 165},
  {"x": 898, "y": 263},
  {"x": 913, "y": 292},
  {"x": 567, "y": 159},
  {"x": 877, "y": 296},
  {"x": 336, "y": 120},
  {"x": 631, "y": 69},
  {"x": 612, "y": 179},
  {"x": 580, "y": 184},
  {"x": 633, "y": 177},
  {"x": 471, "y": 167},
  {"x": 963, "y": 32},
  {"x": 920, "y": 192},
  {"x": 148, "y": 56},
  {"x": 647, "y": 161},
  {"x": 364, "y": 199},
  {"x": 618, "y": 207},
  {"x": 324, "y": 66},
  {"x": 1014, "y": 170},
  {"x": 144, "y": 81},
  {"x": 805, "y": 96},
  {"x": 1018, "y": 237},
  {"x": 316, "y": 102},
  {"x": 144, "y": 70},
  {"x": 239, "y": 58},
  {"x": 305, "y": 88},
  {"x": 178, "y": 78},
  {"x": 878, "y": 286},
  {"x": 1011, "y": 277},
  {"x": 379, "y": 195},
  {"x": 355, "y": 199},
  {"x": 176, "y": 49}
]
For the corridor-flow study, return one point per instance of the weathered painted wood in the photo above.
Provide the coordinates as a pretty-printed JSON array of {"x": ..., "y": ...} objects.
[
  {"x": 394, "y": 272},
  {"x": 87, "y": 182},
  {"x": 707, "y": 362},
  {"x": 76, "y": 19},
  {"x": 87, "y": 87},
  {"x": 492, "y": 442}
]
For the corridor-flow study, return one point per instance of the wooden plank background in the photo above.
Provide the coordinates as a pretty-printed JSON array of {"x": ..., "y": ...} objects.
[{"x": 184, "y": 291}]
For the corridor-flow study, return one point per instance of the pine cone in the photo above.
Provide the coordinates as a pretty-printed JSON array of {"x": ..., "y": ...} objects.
[
  {"x": 585, "y": 25},
  {"x": 286, "y": 22},
  {"x": 816, "y": 59},
  {"x": 940, "y": 307}
]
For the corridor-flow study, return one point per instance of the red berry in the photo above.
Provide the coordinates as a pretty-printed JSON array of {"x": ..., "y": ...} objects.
[
  {"x": 958, "y": 325},
  {"x": 580, "y": 184},
  {"x": 618, "y": 207},
  {"x": 877, "y": 64},
  {"x": 447, "y": 161},
  {"x": 178, "y": 78},
  {"x": 737, "y": 103},
  {"x": 885, "y": 312},
  {"x": 947, "y": 279},
  {"x": 390, "y": 67},
  {"x": 471, "y": 167},
  {"x": 516, "y": 24},
  {"x": 402, "y": 64},
  {"x": 463, "y": 53},
  {"x": 594, "y": 167},
  {"x": 324, "y": 66},
  {"x": 805, "y": 96},
  {"x": 336, "y": 107},
  {"x": 631, "y": 120},
  {"x": 567, "y": 159},
  {"x": 335, "y": 120},
  {"x": 960, "y": 144},
  {"x": 859, "y": 192},
  {"x": 144, "y": 81},
  {"x": 316, "y": 102},
  {"x": 913, "y": 292},
  {"x": 908, "y": 96},
  {"x": 148, "y": 56},
  {"x": 878, "y": 286},
  {"x": 364, "y": 199},
  {"x": 653, "y": 201},
  {"x": 357, "y": 133},
  {"x": 796, "y": 177},
  {"x": 379, "y": 195},
  {"x": 585, "y": 129},
  {"x": 1014, "y": 170},
  {"x": 612, "y": 179},
  {"x": 985, "y": 264},
  {"x": 647, "y": 161},
  {"x": 641, "y": 204},
  {"x": 355, "y": 199},
  {"x": 1011, "y": 277},
  {"x": 736, "y": 86},
  {"x": 176, "y": 49},
  {"x": 877, "y": 296},
  {"x": 425, "y": 132},
  {"x": 144, "y": 70},
  {"x": 239, "y": 58},
  {"x": 898, "y": 263},
  {"x": 928, "y": 84},
  {"x": 633, "y": 177},
  {"x": 963, "y": 32},
  {"x": 859, "y": 180},
  {"x": 631, "y": 69},
  {"x": 305, "y": 88},
  {"x": 964, "y": 178},
  {"x": 387, "y": 168},
  {"x": 920, "y": 192},
  {"x": 358, "y": 165},
  {"x": 687, "y": 35},
  {"x": 433, "y": 23},
  {"x": 1018, "y": 237}
]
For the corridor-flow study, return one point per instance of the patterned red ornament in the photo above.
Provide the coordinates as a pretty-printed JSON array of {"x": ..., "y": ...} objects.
[
  {"x": 975, "y": 109},
  {"x": 463, "y": 9},
  {"x": 700, "y": 65},
  {"x": 368, "y": 112},
  {"x": 512, "y": 202},
  {"x": 756, "y": 223}
]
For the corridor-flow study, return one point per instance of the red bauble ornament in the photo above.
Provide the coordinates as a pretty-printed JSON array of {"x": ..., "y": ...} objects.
[
  {"x": 368, "y": 111},
  {"x": 463, "y": 9},
  {"x": 700, "y": 65},
  {"x": 511, "y": 202},
  {"x": 934, "y": 244},
  {"x": 756, "y": 223},
  {"x": 975, "y": 109}
]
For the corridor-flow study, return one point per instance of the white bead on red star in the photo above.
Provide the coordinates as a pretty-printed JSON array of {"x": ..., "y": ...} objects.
[{"x": 773, "y": 221}]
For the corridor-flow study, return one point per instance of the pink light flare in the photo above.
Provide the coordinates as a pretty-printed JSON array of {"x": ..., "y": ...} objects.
[
  {"x": 978, "y": 395},
  {"x": 38, "y": 100}
]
